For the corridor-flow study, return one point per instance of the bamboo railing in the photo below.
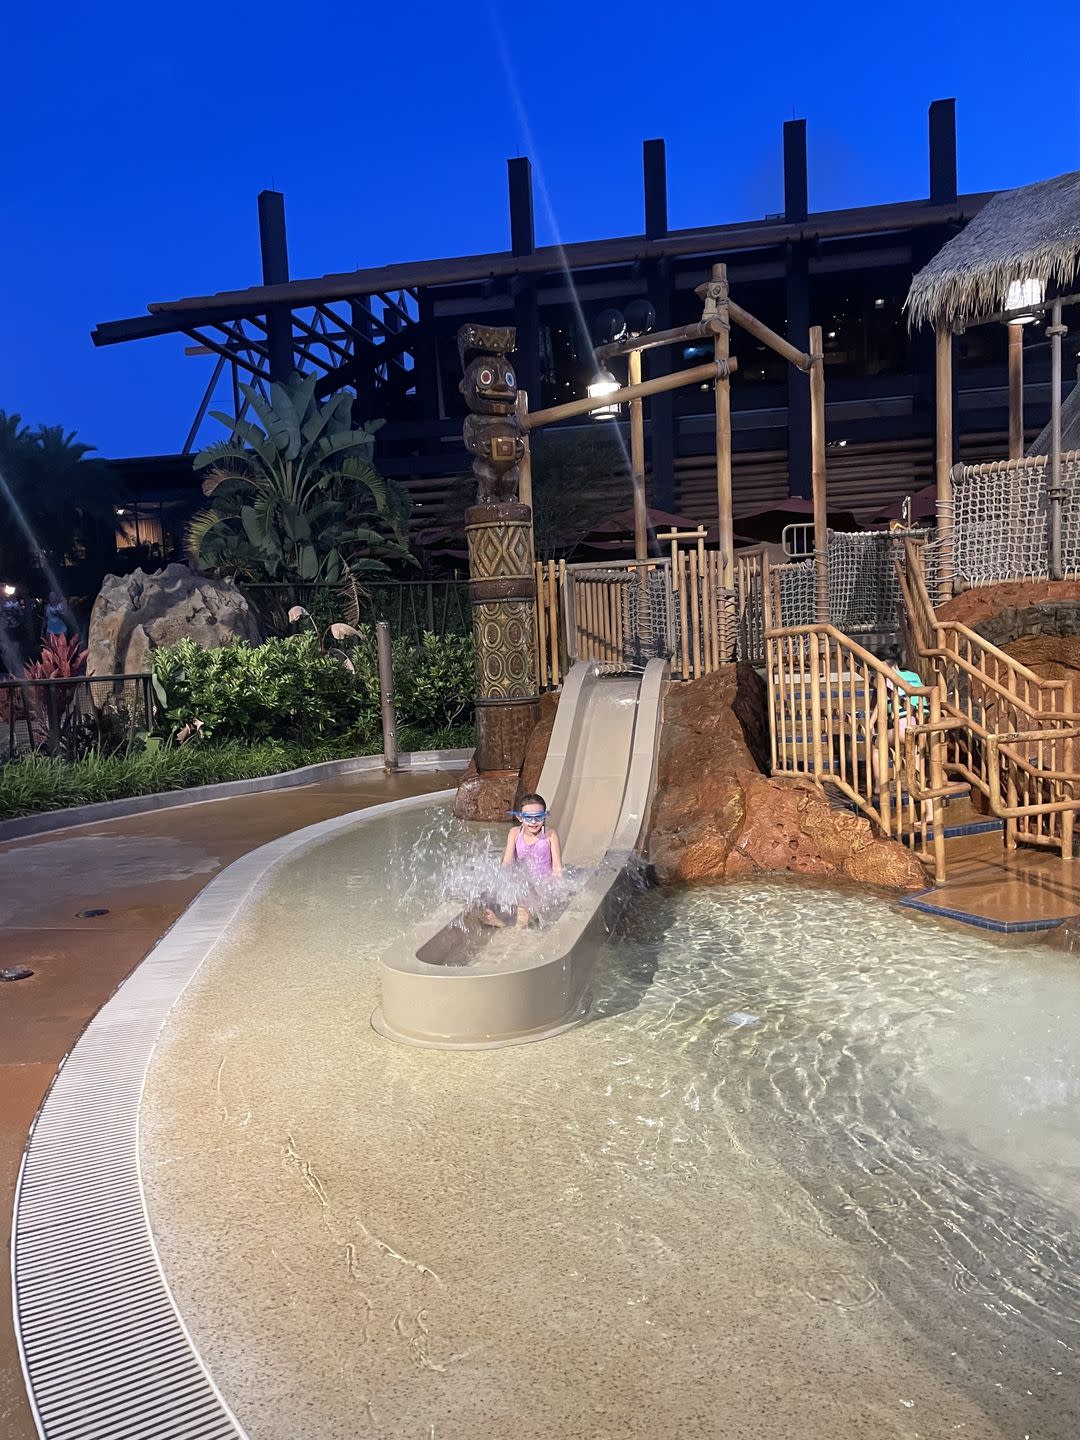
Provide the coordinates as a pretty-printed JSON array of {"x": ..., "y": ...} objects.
[
  {"x": 844, "y": 719},
  {"x": 550, "y": 637},
  {"x": 1012, "y": 734},
  {"x": 751, "y": 580}
]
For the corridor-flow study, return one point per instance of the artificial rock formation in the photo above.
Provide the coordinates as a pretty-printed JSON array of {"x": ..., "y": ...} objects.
[
  {"x": 717, "y": 816},
  {"x": 1037, "y": 622},
  {"x": 138, "y": 613}
]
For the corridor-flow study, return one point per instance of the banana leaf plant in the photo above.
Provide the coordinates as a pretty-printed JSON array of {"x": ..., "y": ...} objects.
[{"x": 296, "y": 497}]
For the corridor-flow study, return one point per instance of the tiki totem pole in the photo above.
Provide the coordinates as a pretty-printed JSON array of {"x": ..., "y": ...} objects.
[{"x": 502, "y": 584}]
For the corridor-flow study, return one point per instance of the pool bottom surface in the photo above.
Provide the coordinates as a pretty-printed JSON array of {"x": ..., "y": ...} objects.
[{"x": 788, "y": 1180}]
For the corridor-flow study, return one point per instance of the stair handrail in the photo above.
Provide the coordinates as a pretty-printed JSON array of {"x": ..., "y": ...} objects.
[
  {"x": 891, "y": 770},
  {"x": 1003, "y": 774},
  {"x": 942, "y": 628}
]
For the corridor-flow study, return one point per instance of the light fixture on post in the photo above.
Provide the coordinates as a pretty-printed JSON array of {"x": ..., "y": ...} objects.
[
  {"x": 604, "y": 384},
  {"x": 1022, "y": 297}
]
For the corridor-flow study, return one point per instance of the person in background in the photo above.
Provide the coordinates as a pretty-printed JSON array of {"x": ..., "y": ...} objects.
[{"x": 55, "y": 615}]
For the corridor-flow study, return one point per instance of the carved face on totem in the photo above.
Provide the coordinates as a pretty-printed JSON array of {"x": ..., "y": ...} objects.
[{"x": 490, "y": 383}]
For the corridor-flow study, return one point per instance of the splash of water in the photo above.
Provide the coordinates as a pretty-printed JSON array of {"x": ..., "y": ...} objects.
[{"x": 454, "y": 864}]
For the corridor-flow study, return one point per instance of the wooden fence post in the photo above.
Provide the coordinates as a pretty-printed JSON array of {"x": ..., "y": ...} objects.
[
  {"x": 943, "y": 463},
  {"x": 725, "y": 524},
  {"x": 818, "y": 476}
]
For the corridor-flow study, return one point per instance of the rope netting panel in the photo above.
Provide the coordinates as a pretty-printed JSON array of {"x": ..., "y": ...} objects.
[
  {"x": 1001, "y": 519},
  {"x": 650, "y": 628},
  {"x": 864, "y": 592}
]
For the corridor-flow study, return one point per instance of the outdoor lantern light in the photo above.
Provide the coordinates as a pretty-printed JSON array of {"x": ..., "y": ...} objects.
[
  {"x": 609, "y": 327},
  {"x": 640, "y": 317},
  {"x": 9, "y": 591},
  {"x": 604, "y": 384},
  {"x": 1021, "y": 294}
]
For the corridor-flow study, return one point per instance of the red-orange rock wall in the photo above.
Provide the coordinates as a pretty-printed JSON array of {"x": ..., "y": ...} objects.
[{"x": 716, "y": 815}]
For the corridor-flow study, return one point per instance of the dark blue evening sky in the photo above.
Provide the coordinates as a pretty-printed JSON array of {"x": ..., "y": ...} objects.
[{"x": 137, "y": 137}]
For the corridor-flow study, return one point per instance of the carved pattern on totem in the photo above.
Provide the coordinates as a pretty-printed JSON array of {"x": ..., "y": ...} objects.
[
  {"x": 499, "y": 551},
  {"x": 504, "y": 634}
]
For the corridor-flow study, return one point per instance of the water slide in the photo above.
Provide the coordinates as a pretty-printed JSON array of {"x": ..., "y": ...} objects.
[{"x": 454, "y": 983}]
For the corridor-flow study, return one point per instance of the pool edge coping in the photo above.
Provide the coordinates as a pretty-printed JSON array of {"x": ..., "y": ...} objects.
[
  {"x": 122, "y": 1038},
  {"x": 920, "y": 901}
]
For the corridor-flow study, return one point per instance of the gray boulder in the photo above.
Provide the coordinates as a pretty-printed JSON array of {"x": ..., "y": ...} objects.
[{"x": 136, "y": 614}]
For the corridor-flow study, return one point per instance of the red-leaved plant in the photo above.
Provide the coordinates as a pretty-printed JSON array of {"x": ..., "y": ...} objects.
[{"x": 62, "y": 658}]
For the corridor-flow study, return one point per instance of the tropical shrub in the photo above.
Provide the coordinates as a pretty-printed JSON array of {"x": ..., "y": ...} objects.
[
  {"x": 62, "y": 658},
  {"x": 292, "y": 690},
  {"x": 283, "y": 689},
  {"x": 298, "y": 498},
  {"x": 434, "y": 681}
]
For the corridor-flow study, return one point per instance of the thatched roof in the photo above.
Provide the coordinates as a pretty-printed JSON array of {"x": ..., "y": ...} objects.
[{"x": 1033, "y": 232}]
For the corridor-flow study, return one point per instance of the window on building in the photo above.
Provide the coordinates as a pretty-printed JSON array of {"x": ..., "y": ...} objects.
[{"x": 864, "y": 331}]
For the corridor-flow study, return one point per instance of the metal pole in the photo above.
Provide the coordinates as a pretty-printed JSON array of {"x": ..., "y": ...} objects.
[
  {"x": 818, "y": 476},
  {"x": 1016, "y": 392},
  {"x": 386, "y": 696},
  {"x": 943, "y": 460},
  {"x": 1055, "y": 330}
]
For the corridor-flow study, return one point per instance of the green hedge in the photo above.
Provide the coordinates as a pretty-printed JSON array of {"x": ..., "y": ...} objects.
[
  {"x": 288, "y": 689},
  {"x": 39, "y": 782},
  {"x": 262, "y": 710}
]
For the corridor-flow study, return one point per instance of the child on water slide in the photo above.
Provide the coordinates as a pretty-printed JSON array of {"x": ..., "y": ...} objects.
[{"x": 532, "y": 848}]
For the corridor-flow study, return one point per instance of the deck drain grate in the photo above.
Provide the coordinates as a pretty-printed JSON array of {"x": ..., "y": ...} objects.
[{"x": 104, "y": 1350}]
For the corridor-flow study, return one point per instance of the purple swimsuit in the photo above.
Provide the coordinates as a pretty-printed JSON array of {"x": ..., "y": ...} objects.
[{"x": 536, "y": 856}]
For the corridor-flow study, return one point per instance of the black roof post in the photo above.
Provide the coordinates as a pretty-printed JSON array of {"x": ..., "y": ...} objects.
[
  {"x": 943, "y": 152},
  {"x": 522, "y": 228},
  {"x": 796, "y": 195},
  {"x": 275, "y": 271},
  {"x": 797, "y": 296},
  {"x": 654, "y": 161},
  {"x": 523, "y": 288}
]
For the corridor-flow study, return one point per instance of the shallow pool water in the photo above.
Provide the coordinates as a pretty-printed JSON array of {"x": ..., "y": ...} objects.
[{"x": 810, "y": 1170}]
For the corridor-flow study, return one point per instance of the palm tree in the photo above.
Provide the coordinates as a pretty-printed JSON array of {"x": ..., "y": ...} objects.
[
  {"x": 57, "y": 506},
  {"x": 297, "y": 499}
]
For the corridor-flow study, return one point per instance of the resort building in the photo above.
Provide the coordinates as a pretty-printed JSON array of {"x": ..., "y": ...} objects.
[{"x": 389, "y": 333}]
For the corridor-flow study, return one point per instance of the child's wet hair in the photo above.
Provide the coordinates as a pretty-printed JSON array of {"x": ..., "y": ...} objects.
[{"x": 532, "y": 800}]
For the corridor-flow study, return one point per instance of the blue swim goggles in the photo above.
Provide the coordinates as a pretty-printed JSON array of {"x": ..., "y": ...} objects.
[{"x": 534, "y": 819}]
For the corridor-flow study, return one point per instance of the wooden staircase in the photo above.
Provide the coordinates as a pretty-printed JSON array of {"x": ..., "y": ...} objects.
[{"x": 975, "y": 769}]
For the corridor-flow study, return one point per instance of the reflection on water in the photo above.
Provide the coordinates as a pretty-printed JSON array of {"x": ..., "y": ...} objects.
[
  {"x": 809, "y": 1170},
  {"x": 916, "y": 1081}
]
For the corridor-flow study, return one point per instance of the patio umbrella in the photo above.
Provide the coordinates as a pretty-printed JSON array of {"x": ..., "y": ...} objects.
[
  {"x": 617, "y": 532},
  {"x": 923, "y": 506},
  {"x": 767, "y": 522}
]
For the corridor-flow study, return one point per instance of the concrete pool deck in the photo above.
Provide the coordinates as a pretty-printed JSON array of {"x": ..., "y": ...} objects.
[{"x": 144, "y": 870}]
